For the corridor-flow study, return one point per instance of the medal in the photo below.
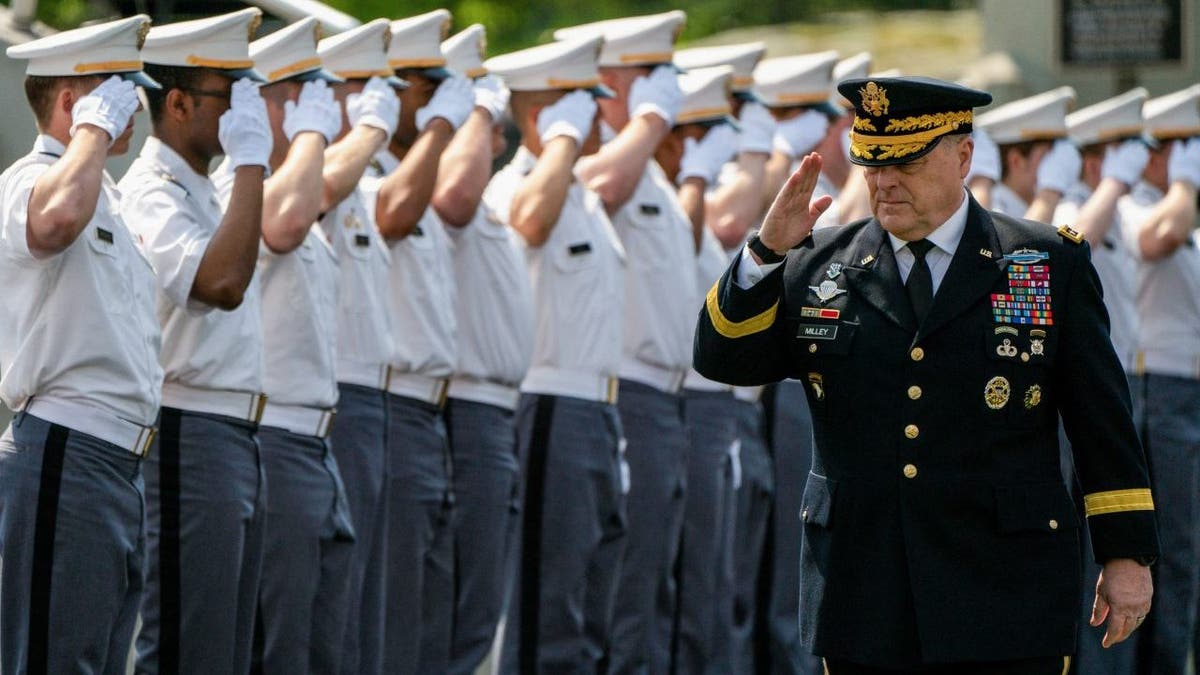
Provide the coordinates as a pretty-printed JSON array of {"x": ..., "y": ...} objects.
[
  {"x": 996, "y": 393},
  {"x": 827, "y": 291},
  {"x": 835, "y": 270}
]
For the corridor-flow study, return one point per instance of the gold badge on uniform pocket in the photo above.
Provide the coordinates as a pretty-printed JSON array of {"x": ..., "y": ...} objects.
[
  {"x": 996, "y": 393},
  {"x": 1033, "y": 397},
  {"x": 818, "y": 385}
]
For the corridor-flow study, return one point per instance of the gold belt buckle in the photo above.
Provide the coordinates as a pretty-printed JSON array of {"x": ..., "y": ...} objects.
[
  {"x": 326, "y": 423},
  {"x": 611, "y": 393},
  {"x": 443, "y": 388},
  {"x": 258, "y": 402},
  {"x": 143, "y": 446}
]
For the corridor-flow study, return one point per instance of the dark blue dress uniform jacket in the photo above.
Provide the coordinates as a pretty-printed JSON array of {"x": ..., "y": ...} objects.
[{"x": 937, "y": 527}]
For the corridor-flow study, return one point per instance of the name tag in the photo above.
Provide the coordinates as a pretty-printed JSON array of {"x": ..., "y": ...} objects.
[
  {"x": 104, "y": 235},
  {"x": 812, "y": 331},
  {"x": 650, "y": 209},
  {"x": 579, "y": 249},
  {"x": 362, "y": 240},
  {"x": 418, "y": 232}
]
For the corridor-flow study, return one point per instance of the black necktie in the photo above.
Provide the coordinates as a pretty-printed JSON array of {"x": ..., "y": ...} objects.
[{"x": 920, "y": 281}]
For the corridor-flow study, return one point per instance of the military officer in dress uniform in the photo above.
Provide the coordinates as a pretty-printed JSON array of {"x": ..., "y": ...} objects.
[
  {"x": 1159, "y": 219},
  {"x": 1038, "y": 163},
  {"x": 364, "y": 334},
  {"x": 494, "y": 315},
  {"x": 204, "y": 539},
  {"x": 80, "y": 363},
  {"x": 398, "y": 188},
  {"x": 566, "y": 559},
  {"x": 701, "y": 143},
  {"x": 635, "y": 62},
  {"x": 1109, "y": 136},
  {"x": 911, "y": 518},
  {"x": 310, "y": 537}
]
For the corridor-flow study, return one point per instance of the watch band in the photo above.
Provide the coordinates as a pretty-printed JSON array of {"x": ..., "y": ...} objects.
[{"x": 765, "y": 254}]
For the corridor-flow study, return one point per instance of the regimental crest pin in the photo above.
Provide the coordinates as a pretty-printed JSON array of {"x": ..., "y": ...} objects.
[
  {"x": 1033, "y": 397},
  {"x": 834, "y": 271},
  {"x": 827, "y": 291}
]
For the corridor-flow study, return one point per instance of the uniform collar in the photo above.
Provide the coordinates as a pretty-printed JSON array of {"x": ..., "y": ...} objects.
[
  {"x": 947, "y": 235},
  {"x": 173, "y": 163},
  {"x": 48, "y": 145}
]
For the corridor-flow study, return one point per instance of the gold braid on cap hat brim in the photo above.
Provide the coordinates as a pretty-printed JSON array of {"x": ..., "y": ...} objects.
[{"x": 896, "y": 146}]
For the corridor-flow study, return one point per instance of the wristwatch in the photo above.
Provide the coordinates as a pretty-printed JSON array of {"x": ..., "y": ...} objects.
[
  {"x": 1145, "y": 560},
  {"x": 765, "y": 254}
]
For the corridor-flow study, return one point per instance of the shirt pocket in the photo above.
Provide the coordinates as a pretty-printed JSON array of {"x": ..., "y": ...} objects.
[{"x": 112, "y": 272}]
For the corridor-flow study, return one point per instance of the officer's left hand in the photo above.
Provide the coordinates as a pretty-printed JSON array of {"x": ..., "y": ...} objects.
[
  {"x": 1123, "y": 597},
  {"x": 793, "y": 213}
]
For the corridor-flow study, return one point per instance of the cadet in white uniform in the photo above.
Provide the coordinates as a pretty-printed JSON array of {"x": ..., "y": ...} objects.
[
  {"x": 567, "y": 561},
  {"x": 309, "y": 532},
  {"x": 400, "y": 183},
  {"x": 495, "y": 343},
  {"x": 702, "y": 141},
  {"x": 204, "y": 538},
  {"x": 80, "y": 364},
  {"x": 659, "y": 290},
  {"x": 364, "y": 335},
  {"x": 1038, "y": 164},
  {"x": 1159, "y": 216},
  {"x": 1108, "y": 135}
]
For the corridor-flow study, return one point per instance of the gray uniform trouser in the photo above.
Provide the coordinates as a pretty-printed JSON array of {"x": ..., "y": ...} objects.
[
  {"x": 71, "y": 550},
  {"x": 205, "y": 522},
  {"x": 645, "y": 615},
  {"x": 359, "y": 443},
  {"x": 753, "y": 520},
  {"x": 306, "y": 564},
  {"x": 483, "y": 443},
  {"x": 1091, "y": 658},
  {"x": 420, "y": 543},
  {"x": 1173, "y": 450},
  {"x": 568, "y": 554},
  {"x": 791, "y": 446},
  {"x": 706, "y": 572}
]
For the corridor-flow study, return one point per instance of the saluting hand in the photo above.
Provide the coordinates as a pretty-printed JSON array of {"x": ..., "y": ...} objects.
[
  {"x": 793, "y": 213},
  {"x": 1123, "y": 597}
]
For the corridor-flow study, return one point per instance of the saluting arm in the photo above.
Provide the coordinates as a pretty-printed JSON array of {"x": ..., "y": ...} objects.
[
  {"x": 1171, "y": 222},
  {"x": 464, "y": 170},
  {"x": 733, "y": 208},
  {"x": 538, "y": 202},
  {"x": 405, "y": 193},
  {"x": 1122, "y": 167},
  {"x": 292, "y": 195},
  {"x": 64, "y": 198},
  {"x": 227, "y": 266},
  {"x": 346, "y": 161}
]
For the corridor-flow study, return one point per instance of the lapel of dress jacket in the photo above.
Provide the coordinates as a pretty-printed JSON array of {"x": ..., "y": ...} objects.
[
  {"x": 977, "y": 263},
  {"x": 871, "y": 269}
]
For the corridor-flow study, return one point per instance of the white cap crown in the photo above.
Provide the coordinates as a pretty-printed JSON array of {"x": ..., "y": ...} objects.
[
  {"x": 1113, "y": 119},
  {"x": 1037, "y": 118},
  {"x": 1175, "y": 115},
  {"x": 634, "y": 41},
  {"x": 567, "y": 64},
  {"x": 107, "y": 48},
  {"x": 796, "y": 80},
  {"x": 417, "y": 41},
  {"x": 289, "y": 51},
  {"x": 466, "y": 50},
  {"x": 221, "y": 42},
  {"x": 741, "y": 57},
  {"x": 706, "y": 95},
  {"x": 359, "y": 53}
]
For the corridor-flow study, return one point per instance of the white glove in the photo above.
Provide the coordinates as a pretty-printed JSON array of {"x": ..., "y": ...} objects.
[
  {"x": 656, "y": 94},
  {"x": 758, "y": 128},
  {"x": 1184, "y": 163},
  {"x": 453, "y": 101},
  {"x": 316, "y": 110},
  {"x": 1059, "y": 168},
  {"x": 801, "y": 134},
  {"x": 1125, "y": 162},
  {"x": 376, "y": 106},
  {"x": 985, "y": 162},
  {"x": 245, "y": 130},
  {"x": 492, "y": 96},
  {"x": 108, "y": 106},
  {"x": 571, "y": 115},
  {"x": 703, "y": 159}
]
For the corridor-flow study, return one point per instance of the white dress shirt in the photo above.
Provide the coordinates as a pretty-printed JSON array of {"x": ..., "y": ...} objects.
[
  {"x": 176, "y": 212},
  {"x": 711, "y": 263},
  {"x": 421, "y": 288},
  {"x": 78, "y": 326},
  {"x": 495, "y": 311},
  {"x": 299, "y": 316},
  {"x": 1168, "y": 296},
  {"x": 1005, "y": 201},
  {"x": 578, "y": 284},
  {"x": 1116, "y": 266},
  {"x": 364, "y": 333},
  {"x": 660, "y": 282}
]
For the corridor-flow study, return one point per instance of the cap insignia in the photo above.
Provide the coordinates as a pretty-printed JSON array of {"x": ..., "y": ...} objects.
[
  {"x": 143, "y": 31},
  {"x": 874, "y": 99},
  {"x": 252, "y": 27}
]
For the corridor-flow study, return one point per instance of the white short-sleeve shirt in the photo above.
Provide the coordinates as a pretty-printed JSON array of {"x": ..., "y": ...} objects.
[
  {"x": 79, "y": 325},
  {"x": 577, "y": 277},
  {"x": 176, "y": 212},
  {"x": 299, "y": 316}
]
